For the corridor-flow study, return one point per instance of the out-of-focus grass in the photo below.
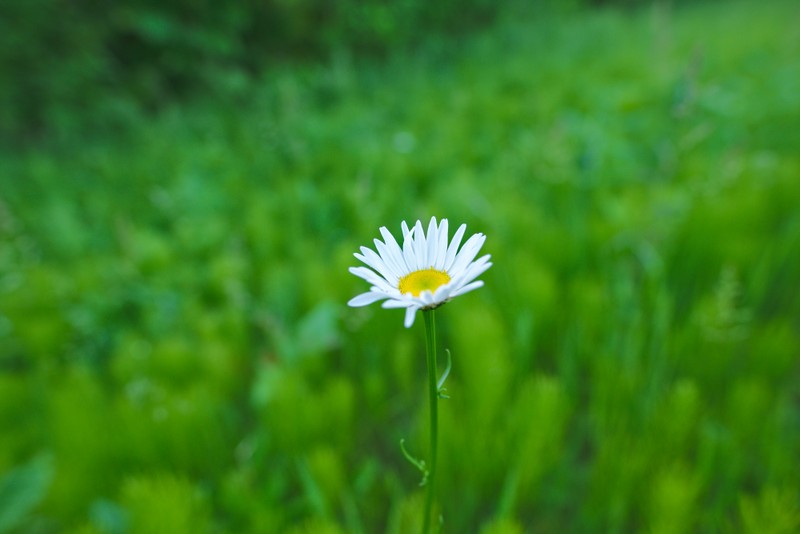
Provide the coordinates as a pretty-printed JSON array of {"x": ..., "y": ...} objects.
[{"x": 176, "y": 352}]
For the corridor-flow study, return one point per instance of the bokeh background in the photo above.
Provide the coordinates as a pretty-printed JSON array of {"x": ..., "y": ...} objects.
[{"x": 183, "y": 184}]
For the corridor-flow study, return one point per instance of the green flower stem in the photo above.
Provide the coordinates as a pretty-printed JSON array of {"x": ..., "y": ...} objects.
[{"x": 433, "y": 392}]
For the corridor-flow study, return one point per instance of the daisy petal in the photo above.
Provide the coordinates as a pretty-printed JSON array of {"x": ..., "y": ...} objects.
[
  {"x": 473, "y": 270},
  {"x": 442, "y": 246},
  {"x": 467, "y": 288},
  {"x": 409, "y": 254},
  {"x": 397, "y": 303},
  {"x": 467, "y": 253},
  {"x": 442, "y": 293},
  {"x": 365, "y": 299},
  {"x": 394, "y": 253},
  {"x": 420, "y": 248},
  {"x": 451, "y": 250},
  {"x": 371, "y": 277},
  {"x": 391, "y": 257},
  {"x": 411, "y": 313},
  {"x": 426, "y": 297},
  {"x": 374, "y": 261},
  {"x": 405, "y": 229},
  {"x": 433, "y": 243}
]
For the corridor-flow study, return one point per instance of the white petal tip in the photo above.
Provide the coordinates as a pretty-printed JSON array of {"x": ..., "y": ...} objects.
[{"x": 411, "y": 314}]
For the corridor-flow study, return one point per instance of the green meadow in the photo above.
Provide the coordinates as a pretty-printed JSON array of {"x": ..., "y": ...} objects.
[{"x": 177, "y": 355}]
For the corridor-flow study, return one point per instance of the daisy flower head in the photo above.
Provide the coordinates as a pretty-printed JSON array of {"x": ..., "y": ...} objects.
[{"x": 427, "y": 271}]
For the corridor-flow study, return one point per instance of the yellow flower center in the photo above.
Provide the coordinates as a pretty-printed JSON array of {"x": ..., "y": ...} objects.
[{"x": 418, "y": 281}]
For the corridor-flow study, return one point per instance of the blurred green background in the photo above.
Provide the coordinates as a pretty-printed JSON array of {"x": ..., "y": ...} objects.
[{"x": 183, "y": 184}]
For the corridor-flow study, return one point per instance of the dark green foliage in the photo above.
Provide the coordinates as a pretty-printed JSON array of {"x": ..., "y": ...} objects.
[
  {"x": 176, "y": 353},
  {"x": 93, "y": 66},
  {"x": 87, "y": 64}
]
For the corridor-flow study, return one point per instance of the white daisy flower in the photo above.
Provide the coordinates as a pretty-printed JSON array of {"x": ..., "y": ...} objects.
[{"x": 425, "y": 273}]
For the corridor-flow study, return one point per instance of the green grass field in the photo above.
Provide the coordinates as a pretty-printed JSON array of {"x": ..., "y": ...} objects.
[{"x": 176, "y": 354}]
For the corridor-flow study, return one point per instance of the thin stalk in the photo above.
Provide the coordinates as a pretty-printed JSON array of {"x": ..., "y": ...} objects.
[{"x": 433, "y": 398}]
